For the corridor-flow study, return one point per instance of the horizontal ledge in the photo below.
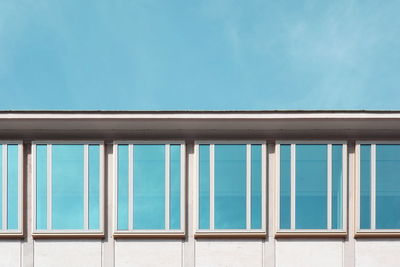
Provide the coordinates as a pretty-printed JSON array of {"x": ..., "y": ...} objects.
[
  {"x": 67, "y": 235},
  {"x": 377, "y": 234},
  {"x": 5, "y": 235},
  {"x": 231, "y": 234},
  {"x": 163, "y": 235},
  {"x": 310, "y": 234}
]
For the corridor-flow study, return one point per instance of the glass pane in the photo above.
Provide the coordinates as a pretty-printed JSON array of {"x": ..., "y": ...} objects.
[
  {"x": 123, "y": 187},
  {"x": 387, "y": 186},
  {"x": 285, "y": 187},
  {"x": 41, "y": 187},
  {"x": 365, "y": 187},
  {"x": 230, "y": 186},
  {"x": 12, "y": 187},
  {"x": 94, "y": 186},
  {"x": 256, "y": 187},
  {"x": 337, "y": 180},
  {"x": 175, "y": 187},
  {"x": 149, "y": 187},
  {"x": 204, "y": 186},
  {"x": 311, "y": 186},
  {"x": 67, "y": 190}
]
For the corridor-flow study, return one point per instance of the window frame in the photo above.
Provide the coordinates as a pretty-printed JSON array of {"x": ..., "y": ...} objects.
[
  {"x": 75, "y": 232},
  {"x": 5, "y": 233},
  {"x": 311, "y": 232},
  {"x": 141, "y": 233},
  {"x": 248, "y": 232},
  {"x": 369, "y": 232}
]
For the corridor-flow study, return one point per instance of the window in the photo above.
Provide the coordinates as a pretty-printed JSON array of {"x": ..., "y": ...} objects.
[
  {"x": 68, "y": 188},
  {"x": 311, "y": 182},
  {"x": 231, "y": 185},
  {"x": 11, "y": 188},
  {"x": 378, "y": 187},
  {"x": 149, "y": 188}
]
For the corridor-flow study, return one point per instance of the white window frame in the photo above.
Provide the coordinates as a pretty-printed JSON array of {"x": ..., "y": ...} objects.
[
  {"x": 3, "y": 231},
  {"x": 173, "y": 233},
  {"x": 75, "y": 232},
  {"x": 248, "y": 232},
  {"x": 373, "y": 231},
  {"x": 311, "y": 232}
]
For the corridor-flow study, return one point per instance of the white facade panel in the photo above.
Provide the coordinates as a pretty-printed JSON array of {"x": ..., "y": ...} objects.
[
  {"x": 370, "y": 253},
  {"x": 307, "y": 253},
  {"x": 232, "y": 253},
  {"x": 10, "y": 253},
  {"x": 148, "y": 253},
  {"x": 66, "y": 253}
]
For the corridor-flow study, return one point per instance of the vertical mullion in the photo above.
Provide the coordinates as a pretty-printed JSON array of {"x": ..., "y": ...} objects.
[
  {"x": 212, "y": 167},
  {"x": 182, "y": 180},
  {"x": 329, "y": 187},
  {"x": 373, "y": 186},
  {"x": 49, "y": 187},
  {"x": 248, "y": 186},
  {"x": 292, "y": 186},
  {"x": 85, "y": 186},
  {"x": 167, "y": 184},
  {"x": 130, "y": 187},
  {"x": 263, "y": 184},
  {"x": 4, "y": 187}
]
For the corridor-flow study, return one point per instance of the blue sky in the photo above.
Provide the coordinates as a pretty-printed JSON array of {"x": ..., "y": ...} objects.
[{"x": 207, "y": 55}]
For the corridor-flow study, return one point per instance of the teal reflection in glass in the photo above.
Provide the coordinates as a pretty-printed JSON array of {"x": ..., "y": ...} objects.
[
  {"x": 1, "y": 184},
  {"x": 204, "y": 186},
  {"x": 41, "y": 187},
  {"x": 387, "y": 186},
  {"x": 94, "y": 186},
  {"x": 256, "y": 187},
  {"x": 230, "y": 187},
  {"x": 311, "y": 186},
  {"x": 123, "y": 187},
  {"x": 337, "y": 189},
  {"x": 175, "y": 187},
  {"x": 12, "y": 187},
  {"x": 149, "y": 187},
  {"x": 284, "y": 218},
  {"x": 365, "y": 187},
  {"x": 67, "y": 186}
]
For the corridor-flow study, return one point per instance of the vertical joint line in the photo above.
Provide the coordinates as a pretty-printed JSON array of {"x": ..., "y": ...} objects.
[
  {"x": 329, "y": 186},
  {"x": 85, "y": 186},
  {"x": 49, "y": 187},
  {"x": 130, "y": 187},
  {"x": 4, "y": 187},
  {"x": 167, "y": 184},
  {"x": 292, "y": 186},
  {"x": 373, "y": 186},
  {"x": 248, "y": 186},
  {"x": 212, "y": 167}
]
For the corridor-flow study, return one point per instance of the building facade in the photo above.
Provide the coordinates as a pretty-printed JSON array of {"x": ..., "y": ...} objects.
[{"x": 204, "y": 189}]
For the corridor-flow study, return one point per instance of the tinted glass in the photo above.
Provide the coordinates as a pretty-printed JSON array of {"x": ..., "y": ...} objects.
[
  {"x": 337, "y": 182},
  {"x": 175, "y": 187},
  {"x": 67, "y": 186},
  {"x": 12, "y": 187},
  {"x": 284, "y": 187},
  {"x": 204, "y": 186},
  {"x": 256, "y": 186},
  {"x": 311, "y": 186},
  {"x": 94, "y": 186},
  {"x": 387, "y": 186},
  {"x": 41, "y": 187},
  {"x": 365, "y": 187},
  {"x": 149, "y": 187},
  {"x": 122, "y": 187},
  {"x": 230, "y": 187}
]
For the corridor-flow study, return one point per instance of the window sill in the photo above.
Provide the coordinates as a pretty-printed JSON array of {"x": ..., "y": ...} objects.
[
  {"x": 67, "y": 234},
  {"x": 230, "y": 234},
  {"x": 290, "y": 234},
  {"x": 7, "y": 235},
  {"x": 149, "y": 234},
  {"x": 378, "y": 234}
]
